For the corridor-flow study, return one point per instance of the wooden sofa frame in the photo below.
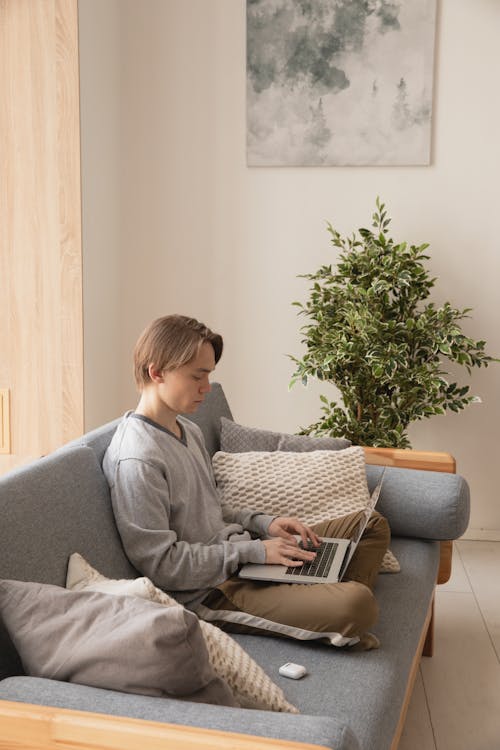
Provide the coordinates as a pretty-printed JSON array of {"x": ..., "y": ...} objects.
[{"x": 25, "y": 726}]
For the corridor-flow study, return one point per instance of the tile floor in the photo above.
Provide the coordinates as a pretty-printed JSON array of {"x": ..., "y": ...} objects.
[{"x": 456, "y": 701}]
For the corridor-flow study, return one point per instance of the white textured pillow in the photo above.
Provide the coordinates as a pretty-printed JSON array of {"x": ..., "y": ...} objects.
[
  {"x": 251, "y": 686},
  {"x": 314, "y": 486}
]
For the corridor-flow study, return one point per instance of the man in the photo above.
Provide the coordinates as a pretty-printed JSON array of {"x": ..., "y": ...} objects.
[{"x": 173, "y": 527}]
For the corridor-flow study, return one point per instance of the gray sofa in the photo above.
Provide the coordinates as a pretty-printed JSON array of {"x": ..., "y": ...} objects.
[{"x": 349, "y": 701}]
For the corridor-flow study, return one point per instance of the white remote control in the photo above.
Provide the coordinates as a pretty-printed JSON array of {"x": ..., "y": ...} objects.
[{"x": 295, "y": 671}]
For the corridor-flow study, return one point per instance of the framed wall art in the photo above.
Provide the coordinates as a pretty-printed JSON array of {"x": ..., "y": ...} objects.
[{"x": 339, "y": 82}]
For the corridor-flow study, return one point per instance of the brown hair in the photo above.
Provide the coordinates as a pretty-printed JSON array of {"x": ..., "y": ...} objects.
[{"x": 171, "y": 342}]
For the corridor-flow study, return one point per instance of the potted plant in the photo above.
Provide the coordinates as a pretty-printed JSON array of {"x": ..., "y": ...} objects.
[{"x": 372, "y": 333}]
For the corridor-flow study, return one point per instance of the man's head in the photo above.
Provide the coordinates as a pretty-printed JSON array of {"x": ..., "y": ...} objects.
[{"x": 169, "y": 343}]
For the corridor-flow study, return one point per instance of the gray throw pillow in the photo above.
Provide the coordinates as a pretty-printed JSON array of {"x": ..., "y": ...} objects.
[
  {"x": 238, "y": 439},
  {"x": 251, "y": 686},
  {"x": 115, "y": 642}
]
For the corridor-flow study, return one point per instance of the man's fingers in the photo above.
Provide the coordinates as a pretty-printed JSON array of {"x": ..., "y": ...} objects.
[
  {"x": 314, "y": 538},
  {"x": 299, "y": 554},
  {"x": 306, "y": 534},
  {"x": 309, "y": 538},
  {"x": 304, "y": 537},
  {"x": 286, "y": 552}
]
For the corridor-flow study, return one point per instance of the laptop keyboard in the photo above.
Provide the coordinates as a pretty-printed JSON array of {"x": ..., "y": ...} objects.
[{"x": 320, "y": 566}]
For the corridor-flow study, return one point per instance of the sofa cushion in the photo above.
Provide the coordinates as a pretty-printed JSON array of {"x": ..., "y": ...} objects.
[
  {"x": 316, "y": 486},
  {"x": 251, "y": 686},
  {"x": 325, "y": 731},
  {"x": 364, "y": 689},
  {"x": 116, "y": 642},
  {"x": 236, "y": 438}
]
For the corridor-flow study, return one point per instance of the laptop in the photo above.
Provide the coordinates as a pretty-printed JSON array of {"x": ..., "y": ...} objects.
[{"x": 331, "y": 561}]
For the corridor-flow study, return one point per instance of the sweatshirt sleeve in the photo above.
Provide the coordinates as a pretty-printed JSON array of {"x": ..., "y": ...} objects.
[
  {"x": 141, "y": 503},
  {"x": 254, "y": 521}
]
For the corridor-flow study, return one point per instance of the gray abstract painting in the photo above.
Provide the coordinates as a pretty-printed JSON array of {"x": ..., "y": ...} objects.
[{"x": 339, "y": 82}]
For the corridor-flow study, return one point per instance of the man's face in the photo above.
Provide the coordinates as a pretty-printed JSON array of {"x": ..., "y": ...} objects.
[{"x": 184, "y": 389}]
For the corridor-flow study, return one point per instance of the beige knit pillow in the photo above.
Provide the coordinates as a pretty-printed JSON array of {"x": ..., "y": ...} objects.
[
  {"x": 314, "y": 486},
  {"x": 251, "y": 686}
]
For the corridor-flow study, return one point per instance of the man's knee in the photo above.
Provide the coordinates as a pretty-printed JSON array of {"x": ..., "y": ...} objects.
[
  {"x": 380, "y": 526},
  {"x": 363, "y": 608}
]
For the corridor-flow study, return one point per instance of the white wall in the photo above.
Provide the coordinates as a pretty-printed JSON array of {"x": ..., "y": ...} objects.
[
  {"x": 202, "y": 234},
  {"x": 101, "y": 199}
]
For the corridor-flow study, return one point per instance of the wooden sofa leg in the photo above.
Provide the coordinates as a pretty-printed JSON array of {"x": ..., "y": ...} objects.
[
  {"x": 445, "y": 559},
  {"x": 444, "y": 573},
  {"x": 428, "y": 648}
]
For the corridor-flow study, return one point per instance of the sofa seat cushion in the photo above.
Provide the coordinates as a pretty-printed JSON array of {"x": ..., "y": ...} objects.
[
  {"x": 325, "y": 731},
  {"x": 363, "y": 689}
]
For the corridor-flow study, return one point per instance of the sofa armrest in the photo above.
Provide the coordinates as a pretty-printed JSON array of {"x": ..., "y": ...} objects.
[
  {"x": 426, "y": 461},
  {"x": 410, "y": 459},
  {"x": 423, "y": 504}
]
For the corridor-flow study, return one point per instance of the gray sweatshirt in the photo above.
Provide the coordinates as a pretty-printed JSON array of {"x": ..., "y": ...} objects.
[{"x": 168, "y": 511}]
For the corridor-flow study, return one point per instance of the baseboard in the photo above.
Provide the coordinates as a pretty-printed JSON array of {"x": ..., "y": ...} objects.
[{"x": 482, "y": 535}]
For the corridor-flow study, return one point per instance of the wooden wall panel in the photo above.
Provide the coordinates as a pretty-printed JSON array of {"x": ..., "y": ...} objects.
[
  {"x": 41, "y": 337},
  {"x": 70, "y": 233}
]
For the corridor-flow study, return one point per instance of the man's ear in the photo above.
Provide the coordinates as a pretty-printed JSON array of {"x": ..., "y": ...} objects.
[{"x": 155, "y": 374}]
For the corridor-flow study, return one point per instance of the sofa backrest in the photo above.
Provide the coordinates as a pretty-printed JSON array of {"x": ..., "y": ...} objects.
[
  {"x": 208, "y": 416},
  {"x": 49, "y": 509}
]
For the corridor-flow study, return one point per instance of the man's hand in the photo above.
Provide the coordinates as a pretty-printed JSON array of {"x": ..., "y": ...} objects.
[
  {"x": 284, "y": 549},
  {"x": 285, "y": 552},
  {"x": 285, "y": 527}
]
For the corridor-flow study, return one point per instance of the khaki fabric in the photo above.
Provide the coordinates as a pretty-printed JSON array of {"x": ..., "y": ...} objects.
[{"x": 341, "y": 613}]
